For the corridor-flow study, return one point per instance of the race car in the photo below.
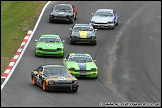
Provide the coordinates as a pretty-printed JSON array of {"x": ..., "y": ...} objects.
[
  {"x": 81, "y": 65},
  {"x": 53, "y": 78},
  {"x": 83, "y": 34},
  {"x": 49, "y": 45},
  {"x": 63, "y": 12},
  {"x": 104, "y": 18}
]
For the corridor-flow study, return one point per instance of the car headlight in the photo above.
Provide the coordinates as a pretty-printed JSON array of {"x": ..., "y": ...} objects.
[
  {"x": 93, "y": 37},
  {"x": 109, "y": 22},
  {"x": 73, "y": 36},
  {"x": 39, "y": 48},
  {"x": 51, "y": 16},
  {"x": 68, "y": 16},
  {"x": 59, "y": 49},
  {"x": 92, "y": 21},
  {"x": 71, "y": 69},
  {"x": 51, "y": 82},
  {"x": 75, "y": 82},
  {"x": 93, "y": 69}
]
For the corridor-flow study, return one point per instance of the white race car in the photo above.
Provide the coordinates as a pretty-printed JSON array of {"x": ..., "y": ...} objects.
[{"x": 104, "y": 18}]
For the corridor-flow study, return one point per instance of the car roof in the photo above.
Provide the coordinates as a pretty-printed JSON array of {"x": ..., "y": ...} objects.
[
  {"x": 79, "y": 54},
  {"x": 104, "y": 10},
  {"x": 49, "y": 65},
  {"x": 48, "y": 35}
]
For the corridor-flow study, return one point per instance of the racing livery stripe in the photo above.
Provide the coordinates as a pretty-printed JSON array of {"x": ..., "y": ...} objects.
[
  {"x": 83, "y": 34},
  {"x": 82, "y": 66},
  {"x": 114, "y": 18}
]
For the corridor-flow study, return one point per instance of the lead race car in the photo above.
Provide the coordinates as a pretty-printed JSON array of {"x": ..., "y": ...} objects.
[
  {"x": 81, "y": 65},
  {"x": 54, "y": 77},
  {"x": 83, "y": 33},
  {"x": 104, "y": 18},
  {"x": 63, "y": 12},
  {"x": 49, "y": 45}
]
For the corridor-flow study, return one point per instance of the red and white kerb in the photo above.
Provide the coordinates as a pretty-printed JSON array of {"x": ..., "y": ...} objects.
[{"x": 14, "y": 59}]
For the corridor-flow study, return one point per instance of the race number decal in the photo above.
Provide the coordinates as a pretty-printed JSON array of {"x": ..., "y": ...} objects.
[
  {"x": 49, "y": 45},
  {"x": 62, "y": 78}
]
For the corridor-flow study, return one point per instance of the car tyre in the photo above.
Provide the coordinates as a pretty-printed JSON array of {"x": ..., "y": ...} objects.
[
  {"x": 33, "y": 80},
  {"x": 96, "y": 77},
  {"x": 75, "y": 90},
  {"x": 44, "y": 86},
  {"x": 117, "y": 23}
]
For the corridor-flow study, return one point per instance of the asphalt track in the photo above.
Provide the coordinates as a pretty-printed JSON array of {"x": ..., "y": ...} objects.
[{"x": 128, "y": 57}]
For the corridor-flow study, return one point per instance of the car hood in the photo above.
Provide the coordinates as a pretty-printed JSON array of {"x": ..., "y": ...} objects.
[
  {"x": 83, "y": 34},
  {"x": 60, "y": 77},
  {"x": 101, "y": 19},
  {"x": 62, "y": 13},
  {"x": 82, "y": 66},
  {"x": 50, "y": 45}
]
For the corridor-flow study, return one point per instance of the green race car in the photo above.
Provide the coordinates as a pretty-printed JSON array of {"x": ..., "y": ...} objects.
[
  {"x": 81, "y": 65},
  {"x": 49, "y": 45}
]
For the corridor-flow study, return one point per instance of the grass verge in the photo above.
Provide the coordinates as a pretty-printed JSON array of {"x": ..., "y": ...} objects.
[{"x": 17, "y": 17}]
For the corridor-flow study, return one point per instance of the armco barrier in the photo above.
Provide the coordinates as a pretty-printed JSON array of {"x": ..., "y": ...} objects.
[{"x": 14, "y": 59}]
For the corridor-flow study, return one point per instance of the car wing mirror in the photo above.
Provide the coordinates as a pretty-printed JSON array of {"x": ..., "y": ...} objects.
[
  {"x": 63, "y": 40},
  {"x": 92, "y": 13},
  {"x": 70, "y": 29},
  {"x": 36, "y": 40},
  {"x": 94, "y": 60}
]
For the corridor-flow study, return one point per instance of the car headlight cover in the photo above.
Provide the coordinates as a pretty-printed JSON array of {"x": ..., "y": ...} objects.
[
  {"x": 93, "y": 69},
  {"x": 71, "y": 69},
  {"x": 51, "y": 82},
  {"x": 59, "y": 49},
  {"x": 39, "y": 48},
  {"x": 73, "y": 36},
  {"x": 75, "y": 82},
  {"x": 92, "y": 21}
]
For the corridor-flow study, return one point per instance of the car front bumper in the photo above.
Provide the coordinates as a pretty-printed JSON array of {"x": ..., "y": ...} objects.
[
  {"x": 81, "y": 40},
  {"x": 60, "y": 19},
  {"x": 85, "y": 74},
  {"x": 62, "y": 87},
  {"x": 104, "y": 25},
  {"x": 44, "y": 53}
]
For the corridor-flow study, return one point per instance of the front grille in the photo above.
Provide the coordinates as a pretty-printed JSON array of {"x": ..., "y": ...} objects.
[
  {"x": 49, "y": 50},
  {"x": 60, "y": 17},
  {"x": 100, "y": 23},
  {"x": 83, "y": 70}
]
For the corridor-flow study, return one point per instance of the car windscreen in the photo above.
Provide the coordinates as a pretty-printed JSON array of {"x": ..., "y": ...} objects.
[
  {"x": 104, "y": 13},
  {"x": 49, "y": 39},
  {"x": 83, "y": 28},
  {"x": 63, "y": 8},
  {"x": 51, "y": 70},
  {"x": 81, "y": 59}
]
